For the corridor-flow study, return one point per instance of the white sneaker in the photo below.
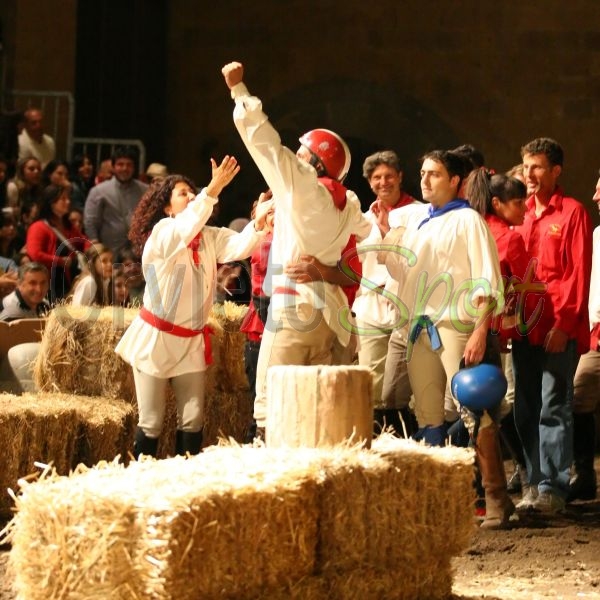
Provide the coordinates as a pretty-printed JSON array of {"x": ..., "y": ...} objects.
[{"x": 529, "y": 498}]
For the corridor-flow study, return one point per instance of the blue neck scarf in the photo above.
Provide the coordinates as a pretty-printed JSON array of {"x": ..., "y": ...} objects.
[{"x": 437, "y": 212}]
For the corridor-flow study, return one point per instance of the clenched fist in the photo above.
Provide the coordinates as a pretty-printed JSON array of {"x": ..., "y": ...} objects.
[{"x": 233, "y": 73}]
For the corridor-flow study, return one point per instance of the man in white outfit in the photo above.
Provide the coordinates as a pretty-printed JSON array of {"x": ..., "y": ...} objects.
[
  {"x": 315, "y": 215},
  {"x": 375, "y": 315}
]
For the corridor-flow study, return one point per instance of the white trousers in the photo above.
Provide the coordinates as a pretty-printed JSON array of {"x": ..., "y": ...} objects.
[{"x": 151, "y": 399}]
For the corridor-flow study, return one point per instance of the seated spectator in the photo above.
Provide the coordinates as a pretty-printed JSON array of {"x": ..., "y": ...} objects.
[
  {"x": 26, "y": 186},
  {"x": 105, "y": 171},
  {"x": 132, "y": 267},
  {"x": 119, "y": 292},
  {"x": 8, "y": 236},
  {"x": 76, "y": 218},
  {"x": 52, "y": 241},
  {"x": 57, "y": 173},
  {"x": 155, "y": 170},
  {"x": 29, "y": 298},
  {"x": 27, "y": 216},
  {"x": 81, "y": 175},
  {"x": 33, "y": 141},
  {"x": 92, "y": 286}
]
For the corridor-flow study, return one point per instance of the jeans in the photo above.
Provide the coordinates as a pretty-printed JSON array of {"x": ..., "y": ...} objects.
[{"x": 543, "y": 413}]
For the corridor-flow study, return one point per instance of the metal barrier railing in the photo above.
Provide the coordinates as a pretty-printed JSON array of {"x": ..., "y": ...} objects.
[
  {"x": 99, "y": 149},
  {"x": 59, "y": 114},
  {"x": 59, "y": 118}
]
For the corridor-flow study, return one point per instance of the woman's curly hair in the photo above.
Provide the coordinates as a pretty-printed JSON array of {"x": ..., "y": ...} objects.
[{"x": 151, "y": 208}]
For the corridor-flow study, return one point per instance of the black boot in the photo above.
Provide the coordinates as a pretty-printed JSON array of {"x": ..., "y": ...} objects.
[
  {"x": 394, "y": 418},
  {"x": 583, "y": 484},
  {"x": 250, "y": 433},
  {"x": 188, "y": 442},
  {"x": 144, "y": 444},
  {"x": 512, "y": 448},
  {"x": 510, "y": 440}
]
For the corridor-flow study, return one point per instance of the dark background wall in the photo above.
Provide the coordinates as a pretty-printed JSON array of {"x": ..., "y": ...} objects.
[{"x": 407, "y": 75}]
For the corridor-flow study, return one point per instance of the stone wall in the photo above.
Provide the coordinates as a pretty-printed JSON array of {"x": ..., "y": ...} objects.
[{"x": 407, "y": 75}]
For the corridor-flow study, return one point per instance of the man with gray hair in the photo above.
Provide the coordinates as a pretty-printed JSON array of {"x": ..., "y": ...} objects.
[
  {"x": 28, "y": 301},
  {"x": 375, "y": 316}
]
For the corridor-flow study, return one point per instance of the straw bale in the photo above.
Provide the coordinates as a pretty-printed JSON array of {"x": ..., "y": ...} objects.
[
  {"x": 228, "y": 370},
  {"x": 77, "y": 352},
  {"x": 252, "y": 522},
  {"x": 370, "y": 584},
  {"x": 435, "y": 486},
  {"x": 228, "y": 414},
  {"x": 106, "y": 429},
  {"x": 248, "y": 524},
  {"x": 33, "y": 429},
  {"x": 60, "y": 429},
  {"x": 69, "y": 543},
  {"x": 224, "y": 524}
]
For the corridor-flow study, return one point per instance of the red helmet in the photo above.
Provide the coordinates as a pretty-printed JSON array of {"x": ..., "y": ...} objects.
[{"x": 330, "y": 149}]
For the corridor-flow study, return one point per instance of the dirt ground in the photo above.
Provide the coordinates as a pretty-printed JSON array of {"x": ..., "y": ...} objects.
[{"x": 540, "y": 557}]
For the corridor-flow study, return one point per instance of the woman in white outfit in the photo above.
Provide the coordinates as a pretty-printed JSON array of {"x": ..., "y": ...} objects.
[{"x": 169, "y": 340}]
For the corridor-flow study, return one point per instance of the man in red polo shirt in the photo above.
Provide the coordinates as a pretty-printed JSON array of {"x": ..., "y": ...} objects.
[{"x": 558, "y": 234}]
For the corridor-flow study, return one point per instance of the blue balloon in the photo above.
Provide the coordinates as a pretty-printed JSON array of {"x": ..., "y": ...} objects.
[{"x": 480, "y": 387}]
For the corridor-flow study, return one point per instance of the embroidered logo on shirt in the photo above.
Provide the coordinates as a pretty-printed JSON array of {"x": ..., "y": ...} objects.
[{"x": 554, "y": 230}]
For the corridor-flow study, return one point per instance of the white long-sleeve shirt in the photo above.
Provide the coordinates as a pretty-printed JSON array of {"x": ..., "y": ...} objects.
[
  {"x": 454, "y": 257},
  {"x": 370, "y": 305},
  {"x": 179, "y": 291},
  {"x": 306, "y": 218}
]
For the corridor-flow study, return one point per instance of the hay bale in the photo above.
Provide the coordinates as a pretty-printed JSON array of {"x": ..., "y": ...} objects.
[
  {"x": 58, "y": 429},
  {"x": 251, "y": 522},
  {"x": 77, "y": 357},
  {"x": 370, "y": 584},
  {"x": 106, "y": 429},
  {"x": 95, "y": 557},
  {"x": 34, "y": 430},
  {"x": 435, "y": 485},
  {"x": 228, "y": 370},
  {"x": 227, "y": 415},
  {"x": 226, "y": 524},
  {"x": 77, "y": 352},
  {"x": 402, "y": 504}
]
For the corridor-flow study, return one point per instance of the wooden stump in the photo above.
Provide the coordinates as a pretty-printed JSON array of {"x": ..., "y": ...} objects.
[{"x": 316, "y": 406}]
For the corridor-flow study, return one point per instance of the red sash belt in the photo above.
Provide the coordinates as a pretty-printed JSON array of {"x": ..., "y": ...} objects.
[
  {"x": 179, "y": 331},
  {"x": 285, "y": 290}
]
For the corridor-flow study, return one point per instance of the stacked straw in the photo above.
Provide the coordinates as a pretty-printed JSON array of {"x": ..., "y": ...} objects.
[
  {"x": 219, "y": 525},
  {"x": 229, "y": 402},
  {"x": 249, "y": 523},
  {"x": 77, "y": 352},
  {"x": 77, "y": 356},
  {"x": 58, "y": 429}
]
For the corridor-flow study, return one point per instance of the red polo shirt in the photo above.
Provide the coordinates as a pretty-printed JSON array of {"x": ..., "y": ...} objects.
[
  {"x": 561, "y": 240},
  {"x": 514, "y": 260}
]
